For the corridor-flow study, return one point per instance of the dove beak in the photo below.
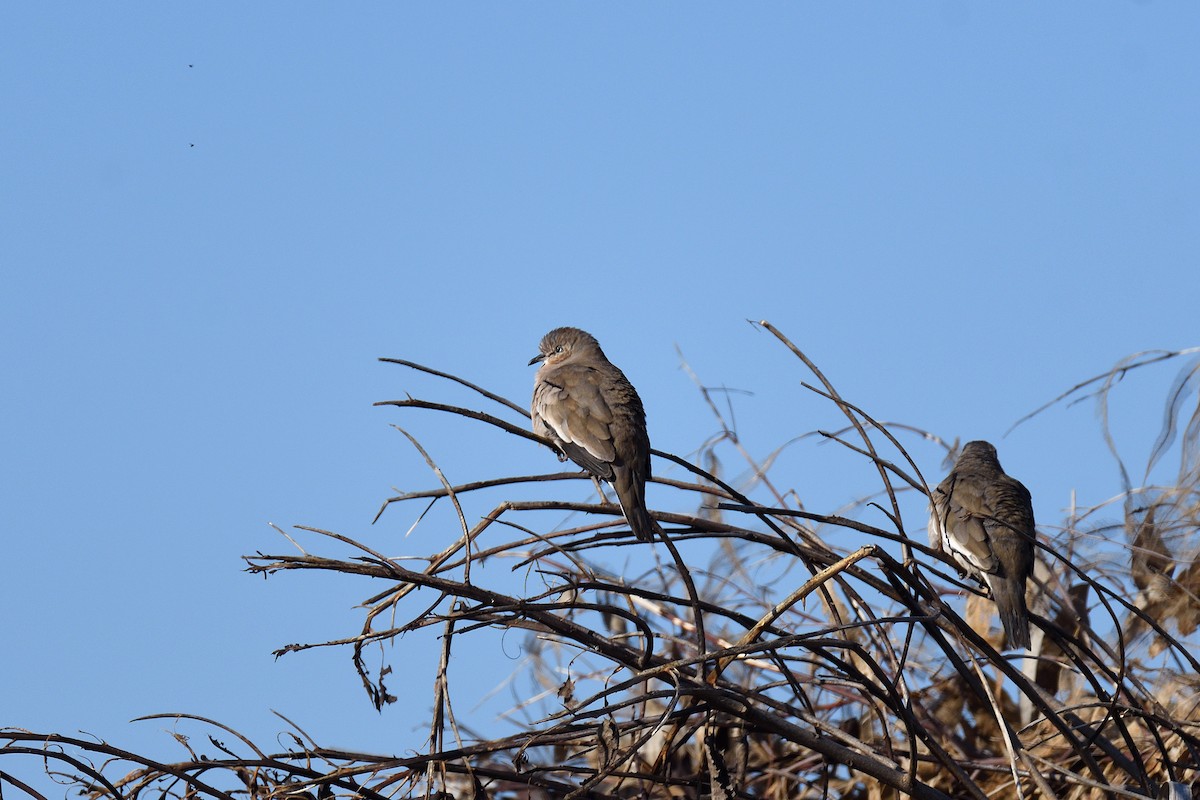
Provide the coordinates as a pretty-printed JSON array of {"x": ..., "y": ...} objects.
[{"x": 536, "y": 359}]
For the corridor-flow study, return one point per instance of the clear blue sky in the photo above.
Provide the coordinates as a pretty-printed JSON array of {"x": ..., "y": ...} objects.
[{"x": 215, "y": 217}]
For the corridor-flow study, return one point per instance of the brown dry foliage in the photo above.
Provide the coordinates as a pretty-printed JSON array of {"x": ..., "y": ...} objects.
[{"x": 846, "y": 673}]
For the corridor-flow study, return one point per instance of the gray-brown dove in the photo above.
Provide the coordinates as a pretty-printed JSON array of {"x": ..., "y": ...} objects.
[
  {"x": 983, "y": 518},
  {"x": 589, "y": 409}
]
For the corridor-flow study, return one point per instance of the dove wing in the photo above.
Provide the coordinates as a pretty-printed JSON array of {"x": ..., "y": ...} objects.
[
  {"x": 961, "y": 505},
  {"x": 569, "y": 408}
]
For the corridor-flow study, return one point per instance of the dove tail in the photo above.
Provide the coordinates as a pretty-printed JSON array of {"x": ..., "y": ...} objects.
[
  {"x": 1014, "y": 616},
  {"x": 631, "y": 494}
]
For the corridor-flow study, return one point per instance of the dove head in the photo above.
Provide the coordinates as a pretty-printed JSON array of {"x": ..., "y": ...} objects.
[
  {"x": 565, "y": 345},
  {"x": 980, "y": 451}
]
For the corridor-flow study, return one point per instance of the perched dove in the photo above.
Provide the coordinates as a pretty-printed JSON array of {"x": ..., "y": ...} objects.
[
  {"x": 984, "y": 519},
  {"x": 590, "y": 410}
]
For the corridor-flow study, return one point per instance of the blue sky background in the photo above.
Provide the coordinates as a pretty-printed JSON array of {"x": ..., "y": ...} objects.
[{"x": 216, "y": 217}]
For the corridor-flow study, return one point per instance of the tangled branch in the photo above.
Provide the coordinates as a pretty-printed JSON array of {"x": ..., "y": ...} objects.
[{"x": 812, "y": 655}]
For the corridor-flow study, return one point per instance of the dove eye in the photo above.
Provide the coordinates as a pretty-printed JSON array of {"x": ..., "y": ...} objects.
[{"x": 558, "y": 349}]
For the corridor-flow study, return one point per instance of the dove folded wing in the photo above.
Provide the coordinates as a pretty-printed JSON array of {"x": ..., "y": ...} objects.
[{"x": 572, "y": 412}]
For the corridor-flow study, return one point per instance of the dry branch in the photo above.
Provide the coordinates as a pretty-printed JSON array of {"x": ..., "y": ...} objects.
[{"x": 774, "y": 652}]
